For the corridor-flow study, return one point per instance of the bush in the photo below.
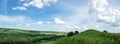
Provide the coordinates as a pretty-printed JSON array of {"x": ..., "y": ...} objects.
[
  {"x": 105, "y": 31},
  {"x": 70, "y": 34},
  {"x": 76, "y": 32}
]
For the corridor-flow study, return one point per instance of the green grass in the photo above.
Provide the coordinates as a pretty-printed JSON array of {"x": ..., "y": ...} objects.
[
  {"x": 47, "y": 42},
  {"x": 91, "y": 37},
  {"x": 13, "y": 32},
  {"x": 17, "y": 36}
]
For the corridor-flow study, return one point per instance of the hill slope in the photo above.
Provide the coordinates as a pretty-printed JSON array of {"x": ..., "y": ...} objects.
[
  {"x": 91, "y": 37},
  {"x": 17, "y": 36},
  {"x": 15, "y": 32}
]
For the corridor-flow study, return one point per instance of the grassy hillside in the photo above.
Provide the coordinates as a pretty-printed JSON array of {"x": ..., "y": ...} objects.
[
  {"x": 91, "y": 37},
  {"x": 4, "y": 32},
  {"x": 17, "y": 36}
]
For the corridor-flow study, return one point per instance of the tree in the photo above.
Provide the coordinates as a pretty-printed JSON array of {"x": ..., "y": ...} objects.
[
  {"x": 76, "y": 32},
  {"x": 105, "y": 31},
  {"x": 70, "y": 34}
]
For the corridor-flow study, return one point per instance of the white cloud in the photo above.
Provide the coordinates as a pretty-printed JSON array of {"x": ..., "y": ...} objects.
[
  {"x": 19, "y": 8},
  {"x": 27, "y": 24},
  {"x": 20, "y": 19},
  {"x": 41, "y": 3},
  {"x": 99, "y": 5},
  {"x": 20, "y": 22},
  {"x": 77, "y": 27},
  {"x": 26, "y": 4},
  {"x": 59, "y": 21},
  {"x": 73, "y": 27},
  {"x": 104, "y": 12},
  {"x": 47, "y": 2},
  {"x": 106, "y": 18},
  {"x": 39, "y": 22},
  {"x": 35, "y": 3}
]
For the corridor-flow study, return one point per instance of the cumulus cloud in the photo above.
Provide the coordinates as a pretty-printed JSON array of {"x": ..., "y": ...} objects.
[
  {"x": 40, "y": 3},
  {"x": 19, "y": 8},
  {"x": 104, "y": 12},
  {"x": 59, "y": 21},
  {"x": 35, "y": 3},
  {"x": 39, "y": 22},
  {"x": 26, "y": 4},
  {"x": 99, "y": 5}
]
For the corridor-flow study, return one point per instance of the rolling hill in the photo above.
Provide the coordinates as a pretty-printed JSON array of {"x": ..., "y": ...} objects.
[
  {"x": 17, "y": 36},
  {"x": 91, "y": 37}
]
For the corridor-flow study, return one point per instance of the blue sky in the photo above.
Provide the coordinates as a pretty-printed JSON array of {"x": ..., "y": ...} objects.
[{"x": 60, "y": 15}]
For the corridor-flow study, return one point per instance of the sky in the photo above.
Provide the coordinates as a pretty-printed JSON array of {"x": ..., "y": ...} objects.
[{"x": 60, "y": 15}]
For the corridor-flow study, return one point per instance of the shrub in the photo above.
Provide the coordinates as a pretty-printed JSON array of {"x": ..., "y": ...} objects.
[
  {"x": 76, "y": 32},
  {"x": 70, "y": 34},
  {"x": 105, "y": 31}
]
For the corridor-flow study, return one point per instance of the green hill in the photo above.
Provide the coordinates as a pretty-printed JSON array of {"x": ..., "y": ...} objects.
[
  {"x": 17, "y": 36},
  {"x": 4, "y": 32},
  {"x": 91, "y": 37}
]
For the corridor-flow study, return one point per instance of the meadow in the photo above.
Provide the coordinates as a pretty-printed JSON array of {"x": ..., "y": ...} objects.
[
  {"x": 91, "y": 36},
  {"x": 17, "y": 36}
]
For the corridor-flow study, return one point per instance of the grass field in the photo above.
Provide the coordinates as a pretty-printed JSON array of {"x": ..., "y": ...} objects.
[
  {"x": 16, "y": 36},
  {"x": 91, "y": 37}
]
